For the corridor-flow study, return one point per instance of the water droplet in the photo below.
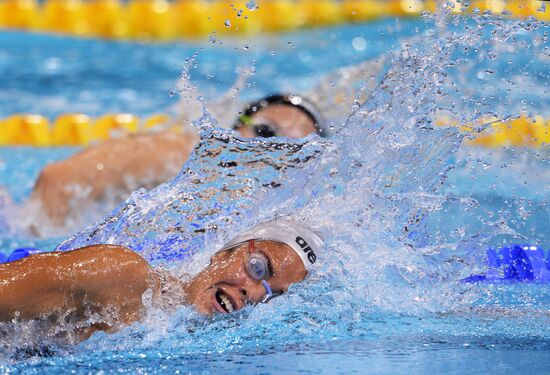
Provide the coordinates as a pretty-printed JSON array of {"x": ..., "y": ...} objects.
[
  {"x": 251, "y": 5},
  {"x": 524, "y": 212},
  {"x": 246, "y": 47},
  {"x": 292, "y": 44},
  {"x": 227, "y": 23},
  {"x": 239, "y": 12}
]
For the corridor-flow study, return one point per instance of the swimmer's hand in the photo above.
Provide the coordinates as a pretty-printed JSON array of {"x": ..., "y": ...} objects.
[{"x": 94, "y": 288}]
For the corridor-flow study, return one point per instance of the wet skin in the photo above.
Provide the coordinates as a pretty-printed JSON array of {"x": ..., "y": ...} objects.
[
  {"x": 286, "y": 120},
  {"x": 110, "y": 282},
  {"x": 227, "y": 274}
]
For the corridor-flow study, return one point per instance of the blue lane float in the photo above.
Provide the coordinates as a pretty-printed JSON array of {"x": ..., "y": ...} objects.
[
  {"x": 19, "y": 254},
  {"x": 523, "y": 263}
]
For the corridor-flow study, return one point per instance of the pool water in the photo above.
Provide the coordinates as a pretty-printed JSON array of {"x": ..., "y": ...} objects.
[{"x": 386, "y": 299}]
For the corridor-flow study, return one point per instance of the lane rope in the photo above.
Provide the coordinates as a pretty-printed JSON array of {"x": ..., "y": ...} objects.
[{"x": 170, "y": 20}]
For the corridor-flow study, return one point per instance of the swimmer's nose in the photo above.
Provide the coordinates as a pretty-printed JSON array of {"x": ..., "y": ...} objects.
[
  {"x": 253, "y": 292},
  {"x": 245, "y": 294}
]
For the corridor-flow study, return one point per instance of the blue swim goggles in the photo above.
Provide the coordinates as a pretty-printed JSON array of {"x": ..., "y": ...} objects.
[{"x": 258, "y": 268}]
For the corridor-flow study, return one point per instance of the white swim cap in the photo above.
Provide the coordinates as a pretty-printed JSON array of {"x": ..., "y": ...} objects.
[{"x": 301, "y": 239}]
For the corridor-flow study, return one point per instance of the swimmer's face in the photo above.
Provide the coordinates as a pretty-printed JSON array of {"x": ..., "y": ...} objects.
[
  {"x": 282, "y": 120},
  {"x": 227, "y": 280}
]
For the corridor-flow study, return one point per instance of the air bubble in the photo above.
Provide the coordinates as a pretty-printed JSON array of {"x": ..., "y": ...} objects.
[{"x": 359, "y": 43}]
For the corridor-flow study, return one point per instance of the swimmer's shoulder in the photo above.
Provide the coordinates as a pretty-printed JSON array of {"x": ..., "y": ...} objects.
[
  {"x": 97, "y": 263},
  {"x": 103, "y": 252},
  {"x": 106, "y": 257},
  {"x": 108, "y": 275}
]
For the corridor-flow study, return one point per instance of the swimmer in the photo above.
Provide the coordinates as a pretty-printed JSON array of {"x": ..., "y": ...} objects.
[
  {"x": 103, "y": 287},
  {"x": 110, "y": 171}
]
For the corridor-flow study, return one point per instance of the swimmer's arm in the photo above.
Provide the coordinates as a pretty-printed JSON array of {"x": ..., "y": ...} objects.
[
  {"x": 108, "y": 170},
  {"x": 97, "y": 278}
]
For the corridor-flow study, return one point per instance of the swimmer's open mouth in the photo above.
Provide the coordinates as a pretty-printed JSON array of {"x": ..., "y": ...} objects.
[{"x": 224, "y": 301}]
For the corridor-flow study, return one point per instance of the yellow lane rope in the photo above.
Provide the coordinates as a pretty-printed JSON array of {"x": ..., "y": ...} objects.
[
  {"x": 168, "y": 20},
  {"x": 72, "y": 129},
  {"x": 524, "y": 131},
  {"x": 76, "y": 129}
]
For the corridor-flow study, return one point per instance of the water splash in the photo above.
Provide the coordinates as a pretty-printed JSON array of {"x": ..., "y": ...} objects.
[
  {"x": 376, "y": 192},
  {"x": 220, "y": 185},
  {"x": 381, "y": 173}
]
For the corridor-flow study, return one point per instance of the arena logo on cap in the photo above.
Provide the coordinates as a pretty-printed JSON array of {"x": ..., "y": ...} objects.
[{"x": 306, "y": 249}]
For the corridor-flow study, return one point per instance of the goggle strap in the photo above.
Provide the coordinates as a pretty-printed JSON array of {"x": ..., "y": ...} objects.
[{"x": 268, "y": 292}]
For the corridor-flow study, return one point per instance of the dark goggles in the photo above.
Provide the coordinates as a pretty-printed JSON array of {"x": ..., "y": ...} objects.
[
  {"x": 270, "y": 130},
  {"x": 265, "y": 130}
]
